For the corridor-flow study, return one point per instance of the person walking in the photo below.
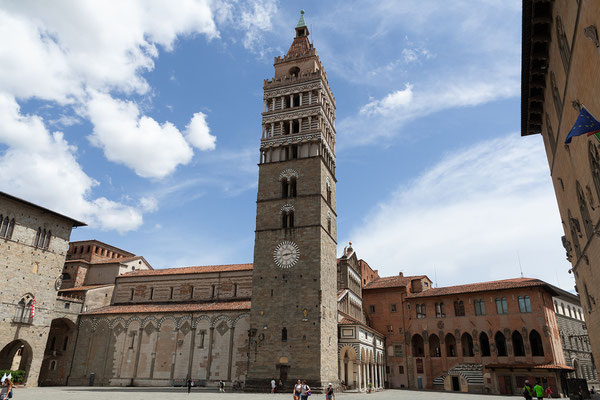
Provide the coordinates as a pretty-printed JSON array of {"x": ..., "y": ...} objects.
[
  {"x": 539, "y": 390},
  {"x": 527, "y": 391},
  {"x": 273, "y": 385},
  {"x": 549, "y": 392},
  {"x": 297, "y": 390},
  {"x": 221, "y": 386},
  {"x": 305, "y": 391},
  {"x": 329, "y": 395},
  {"x": 5, "y": 392},
  {"x": 189, "y": 385}
]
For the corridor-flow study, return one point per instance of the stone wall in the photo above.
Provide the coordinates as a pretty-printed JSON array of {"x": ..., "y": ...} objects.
[
  {"x": 154, "y": 349},
  {"x": 29, "y": 270}
]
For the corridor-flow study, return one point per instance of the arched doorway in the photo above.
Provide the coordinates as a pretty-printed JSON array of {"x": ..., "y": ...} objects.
[
  {"x": 16, "y": 355},
  {"x": 58, "y": 353},
  {"x": 348, "y": 370}
]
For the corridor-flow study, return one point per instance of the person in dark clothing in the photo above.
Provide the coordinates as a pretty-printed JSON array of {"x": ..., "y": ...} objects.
[
  {"x": 527, "y": 391},
  {"x": 189, "y": 385}
]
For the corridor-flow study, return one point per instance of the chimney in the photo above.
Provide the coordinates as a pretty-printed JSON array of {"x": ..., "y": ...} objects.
[{"x": 401, "y": 274}]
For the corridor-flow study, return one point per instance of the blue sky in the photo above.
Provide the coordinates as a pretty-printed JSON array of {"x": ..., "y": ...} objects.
[{"x": 144, "y": 121}]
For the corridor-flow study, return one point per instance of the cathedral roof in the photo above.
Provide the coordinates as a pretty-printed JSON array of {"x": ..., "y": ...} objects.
[
  {"x": 481, "y": 287},
  {"x": 172, "y": 307},
  {"x": 192, "y": 270}
]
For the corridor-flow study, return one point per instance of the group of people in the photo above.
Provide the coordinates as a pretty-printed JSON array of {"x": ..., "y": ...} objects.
[
  {"x": 301, "y": 391},
  {"x": 537, "y": 391}
]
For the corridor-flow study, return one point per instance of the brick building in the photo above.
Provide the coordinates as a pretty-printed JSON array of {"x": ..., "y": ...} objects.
[
  {"x": 485, "y": 337},
  {"x": 560, "y": 66},
  {"x": 33, "y": 247}
]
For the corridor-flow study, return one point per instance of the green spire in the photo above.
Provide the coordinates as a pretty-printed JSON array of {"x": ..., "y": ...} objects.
[{"x": 301, "y": 22}]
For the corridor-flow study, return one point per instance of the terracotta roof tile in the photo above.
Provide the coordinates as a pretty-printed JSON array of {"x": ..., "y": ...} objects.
[
  {"x": 392, "y": 281},
  {"x": 177, "y": 307},
  {"x": 191, "y": 270},
  {"x": 532, "y": 366},
  {"x": 82, "y": 288},
  {"x": 480, "y": 287}
]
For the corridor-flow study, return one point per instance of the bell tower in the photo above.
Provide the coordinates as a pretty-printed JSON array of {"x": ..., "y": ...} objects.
[{"x": 293, "y": 320}]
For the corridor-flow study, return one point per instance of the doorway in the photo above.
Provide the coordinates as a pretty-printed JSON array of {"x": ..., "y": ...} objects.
[
  {"x": 283, "y": 373},
  {"x": 455, "y": 384},
  {"x": 16, "y": 355}
]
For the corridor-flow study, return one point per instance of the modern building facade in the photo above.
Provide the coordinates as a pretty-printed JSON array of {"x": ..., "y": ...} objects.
[
  {"x": 561, "y": 63},
  {"x": 33, "y": 248}
]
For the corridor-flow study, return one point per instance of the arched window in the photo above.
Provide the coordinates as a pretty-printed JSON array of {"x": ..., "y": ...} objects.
[
  {"x": 418, "y": 347},
  {"x": 569, "y": 309},
  {"x": 11, "y": 228},
  {"x": 562, "y": 306},
  {"x": 518, "y": 345},
  {"x": 594, "y": 158},
  {"x": 292, "y": 187},
  {"x": 65, "y": 276},
  {"x": 500, "y": 344},
  {"x": 459, "y": 308},
  {"x": 284, "y": 335},
  {"x": 3, "y": 226},
  {"x": 555, "y": 306},
  {"x": 38, "y": 236},
  {"x": 434, "y": 346},
  {"x": 484, "y": 344},
  {"x": 328, "y": 191},
  {"x": 53, "y": 365},
  {"x": 450, "y": 345},
  {"x": 23, "y": 312},
  {"x": 47, "y": 240},
  {"x": 575, "y": 230},
  {"x": 588, "y": 226},
  {"x": 467, "y": 345},
  {"x": 284, "y": 188},
  {"x": 52, "y": 343},
  {"x": 65, "y": 343},
  {"x": 294, "y": 71},
  {"x": 535, "y": 340}
]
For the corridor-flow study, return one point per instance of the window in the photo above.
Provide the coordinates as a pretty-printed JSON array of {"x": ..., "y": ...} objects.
[
  {"x": 518, "y": 345},
  {"x": 42, "y": 239},
  {"x": 500, "y": 344},
  {"x": 421, "y": 311},
  {"x": 235, "y": 289},
  {"x": 439, "y": 310},
  {"x": 401, "y": 369},
  {"x": 524, "y": 304},
  {"x": 550, "y": 133},
  {"x": 479, "y": 307},
  {"x": 53, "y": 365},
  {"x": 563, "y": 44},
  {"x": 284, "y": 335},
  {"x": 6, "y": 227},
  {"x": 328, "y": 189},
  {"x": 192, "y": 292},
  {"x": 535, "y": 341},
  {"x": 574, "y": 229},
  {"x": 434, "y": 346},
  {"x": 501, "y": 305},
  {"x": 151, "y": 293},
  {"x": 372, "y": 309},
  {"x": 562, "y": 306},
  {"x": 397, "y": 350},
  {"x": 569, "y": 309},
  {"x": 284, "y": 189},
  {"x": 585, "y": 213},
  {"x": 294, "y": 152},
  {"x": 484, "y": 344},
  {"x": 212, "y": 291},
  {"x": 594, "y": 158},
  {"x": 390, "y": 329},
  {"x": 393, "y": 308},
  {"x": 201, "y": 341},
  {"x": 52, "y": 343},
  {"x": 293, "y": 187},
  {"x": 132, "y": 343},
  {"x": 555, "y": 306},
  {"x": 328, "y": 222},
  {"x": 131, "y": 292},
  {"x": 171, "y": 289},
  {"x": 65, "y": 343},
  {"x": 459, "y": 308},
  {"x": 287, "y": 219}
]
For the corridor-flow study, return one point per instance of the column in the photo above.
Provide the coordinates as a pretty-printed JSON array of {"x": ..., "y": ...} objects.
[
  {"x": 310, "y": 122},
  {"x": 265, "y": 105},
  {"x": 282, "y": 102},
  {"x": 359, "y": 377},
  {"x": 281, "y": 127},
  {"x": 192, "y": 345},
  {"x": 272, "y": 129},
  {"x": 232, "y": 330},
  {"x": 210, "y": 343},
  {"x": 263, "y": 131},
  {"x": 273, "y": 104},
  {"x": 291, "y": 124},
  {"x": 291, "y": 100},
  {"x": 299, "y": 125},
  {"x": 300, "y": 99},
  {"x": 137, "y": 355},
  {"x": 310, "y": 97}
]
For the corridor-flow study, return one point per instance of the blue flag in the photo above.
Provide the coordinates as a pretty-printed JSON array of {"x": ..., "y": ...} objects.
[{"x": 585, "y": 124}]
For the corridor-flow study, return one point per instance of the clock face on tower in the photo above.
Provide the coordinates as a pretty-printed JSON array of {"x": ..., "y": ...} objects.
[{"x": 286, "y": 254}]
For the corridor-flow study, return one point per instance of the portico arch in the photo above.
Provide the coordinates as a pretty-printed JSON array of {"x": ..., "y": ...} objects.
[
  {"x": 19, "y": 354},
  {"x": 348, "y": 366}
]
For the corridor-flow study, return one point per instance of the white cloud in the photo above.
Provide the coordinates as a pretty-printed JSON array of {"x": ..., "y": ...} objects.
[
  {"x": 198, "y": 134},
  {"x": 149, "y": 204},
  {"x": 468, "y": 215},
  {"x": 385, "y": 117},
  {"x": 152, "y": 150},
  {"x": 41, "y": 167}
]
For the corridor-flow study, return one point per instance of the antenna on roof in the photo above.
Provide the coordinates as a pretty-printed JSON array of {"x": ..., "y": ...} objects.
[
  {"x": 435, "y": 276},
  {"x": 520, "y": 267},
  {"x": 557, "y": 280}
]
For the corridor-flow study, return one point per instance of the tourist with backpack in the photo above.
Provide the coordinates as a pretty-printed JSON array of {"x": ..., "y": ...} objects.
[{"x": 527, "y": 391}]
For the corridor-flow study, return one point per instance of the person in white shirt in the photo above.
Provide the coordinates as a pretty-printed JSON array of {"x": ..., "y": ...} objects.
[{"x": 273, "y": 385}]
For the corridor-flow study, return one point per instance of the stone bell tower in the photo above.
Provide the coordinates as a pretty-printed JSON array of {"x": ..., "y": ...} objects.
[{"x": 293, "y": 322}]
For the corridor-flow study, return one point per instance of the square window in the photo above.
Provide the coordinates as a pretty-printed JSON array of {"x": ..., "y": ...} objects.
[
  {"x": 393, "y": 307},
  {"x": 372, "y": 309}
]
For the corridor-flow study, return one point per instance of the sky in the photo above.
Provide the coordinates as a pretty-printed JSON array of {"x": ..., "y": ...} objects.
[{"x": 143, "y": 119}]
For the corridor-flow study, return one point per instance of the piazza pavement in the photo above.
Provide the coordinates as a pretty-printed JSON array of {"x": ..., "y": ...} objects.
[{"x": 112, "y": 393}]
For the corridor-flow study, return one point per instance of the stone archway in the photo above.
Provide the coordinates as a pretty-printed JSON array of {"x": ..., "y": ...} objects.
[
  {"x": 348, "y": 366},
  {"x": 58, "y": 353},
  {"x": 18, "y": 354}
]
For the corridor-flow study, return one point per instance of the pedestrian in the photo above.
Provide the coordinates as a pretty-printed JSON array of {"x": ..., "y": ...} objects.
[
  {"x": 279, "y": 386},
  {"x": 297, "y": 390},
  {"x": 6, "y": 391},
  {"x": 539, "y": 390},
  {"x": 273, "y": 384},
  {"x": 527, "y": 391},
  {"x": 329, "y": 395},
  {"x": 593, "y": 390},
  {"x": 305, "y": 391},
  {"x": 221, "y": 386},
  {"x": 549, "y": 392},
  {"x": 189, "y": 385},
  {"x": 580, "y": 394}
]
